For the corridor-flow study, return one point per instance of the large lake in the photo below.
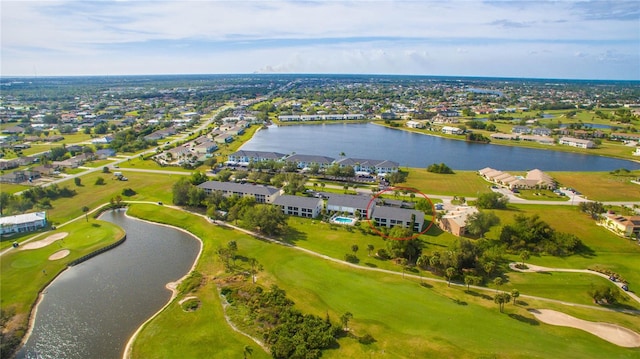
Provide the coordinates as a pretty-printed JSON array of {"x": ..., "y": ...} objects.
[
  {"x": 92, "y": 309},
  {"x": 417, "y": 150}
]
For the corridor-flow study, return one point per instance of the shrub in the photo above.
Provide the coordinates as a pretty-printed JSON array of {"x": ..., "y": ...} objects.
[
  {"x": 100, "y": 181},
  {"x": 366, "y": 339},
  {"x": 191, "y": 305},
  {"x": 383, "y": 254},
  {"x": 351, "y": 258}
]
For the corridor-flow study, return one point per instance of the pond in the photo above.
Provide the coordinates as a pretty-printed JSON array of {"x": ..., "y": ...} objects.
[{"x": 92, "y": 309}]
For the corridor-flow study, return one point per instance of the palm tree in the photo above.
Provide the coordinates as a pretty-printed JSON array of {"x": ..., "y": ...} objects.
[
  {"x": 370, "y": 248},
  {"x": 85, "y": 210},
  {"x": 498, "y": 282},
  {"x": 502, "y": 298},
  {"x": 450, "y": 272},
  {"x": 524, "y": 255},
  {"x": 515, "y": 294},
  {"x": 354, "y": 249},
  {"x": 344, "y": 319}
]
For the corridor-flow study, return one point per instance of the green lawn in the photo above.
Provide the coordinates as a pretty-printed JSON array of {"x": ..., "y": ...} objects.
[
  {"x": 601, "y": 186},
  {"x": 406, "y": 319},
  {"x": 461, "y": 183},
  {"x": 541, "y": 195}
]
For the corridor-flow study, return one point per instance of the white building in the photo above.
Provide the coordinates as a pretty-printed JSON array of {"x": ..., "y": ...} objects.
[
  {"x": 576, "y": 142},
  {"x": 23, "y": 222},
  {"x": 451, "y": 130}
]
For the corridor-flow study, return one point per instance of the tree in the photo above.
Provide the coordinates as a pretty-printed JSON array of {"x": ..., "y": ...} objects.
[
  {"x": 370, "y": 249},
  {"x": 99, "y": 181},
  {"x": 498, "y": 281},
  {"x": 181, "y": 191},
  {"x": 255, "y": 268},
  {"x": 594, "y": 209},
  {"x": 480, "y": 222},
  {"x": 471, "y": 280},
  {"x": 450, "y": 272},
  {"x": 492, "y": 200},
  {"x": 233, "y": 249},
  {"x": 354, "y": 249},
  {"x": 524, "y": 255},
  {"x": 515, "y": 294},
  {"x": 77, "y": 181},
  {"x": 247, "y": 351},
  {"x": 439, "y": 168},
  {"x": 344, "y": 319},
  {"x": 85, "y": 210},
  {"x": 501, "y": 299},
  {"x": 403, "y": 263}
]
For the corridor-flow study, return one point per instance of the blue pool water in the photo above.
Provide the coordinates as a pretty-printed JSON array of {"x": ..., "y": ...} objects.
[{"x": 344, "y": 220}]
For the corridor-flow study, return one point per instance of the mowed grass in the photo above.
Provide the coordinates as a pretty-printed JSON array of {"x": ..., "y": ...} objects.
[
  {"x": 601, "y": 186},
  {"x": 606, "y": 249},
  {"x": 461, "y": 183},
  {"x": 148, "y": 187},
  {"x": 22, "y": 270},
  {"x": 406, "y": 319}
]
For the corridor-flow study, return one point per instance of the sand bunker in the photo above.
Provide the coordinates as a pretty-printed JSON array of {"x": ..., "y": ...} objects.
[
  {"x": 59, "y": 255},
  {"x": 610, "y": 332},
  {"x": 45, "y": 242}
]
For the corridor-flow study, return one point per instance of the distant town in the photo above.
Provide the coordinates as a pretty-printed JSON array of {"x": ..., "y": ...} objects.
[{"x": 329, "y": 227}]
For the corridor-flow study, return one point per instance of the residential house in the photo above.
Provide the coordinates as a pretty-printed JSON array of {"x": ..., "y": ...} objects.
[
  {"x": 627, "y": 226},
  {"x": 625, "y": 136},
  {"x": 455, "y": 221},
  {"x": 13, "y": 130},
  {"x": 105, "y": 153},
  {"x": 307, "y": 161},
  {"x": 393, "y": 216},
  {"x": 19, "y": 177},
  {"x": 416, "y": 124},
  {"x": 262, "y": 194},
  {"x": 448, "y": 130},
  {"x": 369, "y": 166},
  {"x": 205, "y": 147},
  {"x": 308, "y": 207},
  {"x": 534, "y": 179},
  {"x": 521, "y": 129},
  {"x": 576, "y": 142},
  {"x": 20, "y": 223},
  {"x": 541, "y": 131},
  {"x": 243, "y": 157},
  {"x": 545, "y": 140},
  {"x": 352, "y": 204},
  {"x": 504, "y": 136}
]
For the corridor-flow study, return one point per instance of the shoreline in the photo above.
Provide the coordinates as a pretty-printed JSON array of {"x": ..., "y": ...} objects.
[{"x": 171, "y": 286}]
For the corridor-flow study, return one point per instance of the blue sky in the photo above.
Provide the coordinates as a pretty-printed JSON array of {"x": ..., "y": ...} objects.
[{"x": 558, "y": 39}]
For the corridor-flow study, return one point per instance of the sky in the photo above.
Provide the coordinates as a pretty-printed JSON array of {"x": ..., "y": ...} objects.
[{"x": 534, "y": 39}]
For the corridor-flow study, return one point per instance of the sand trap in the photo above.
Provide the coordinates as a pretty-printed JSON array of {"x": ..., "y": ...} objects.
[
  {"x": 610, "y": 332},
  {"x": 45, "y": 242},
  {"x": 59, "y": 255}
]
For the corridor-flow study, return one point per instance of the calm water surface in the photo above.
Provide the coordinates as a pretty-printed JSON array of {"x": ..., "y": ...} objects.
[
  {"x": 92, "y": 309},
  {"x": 416, "y": 150}
]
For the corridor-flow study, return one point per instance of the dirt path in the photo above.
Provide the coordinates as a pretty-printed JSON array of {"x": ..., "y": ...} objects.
[{"x": 610, "y": 332}]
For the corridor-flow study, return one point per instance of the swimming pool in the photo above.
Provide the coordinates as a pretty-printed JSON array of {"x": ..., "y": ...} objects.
[{"x": 344, "y": 220}]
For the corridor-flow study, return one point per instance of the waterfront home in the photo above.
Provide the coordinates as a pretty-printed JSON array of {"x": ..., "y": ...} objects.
[
  {"x": 626, "y": 226},
  {"x": 361, "y": 165},
  {"x": 243, "y": 157},
  {"x": 20, "y": 223},
  {"x": 307, "y": 161},
  {"x": 262, "y": 194},
  {"x": 625, "y": 136},
  {"x": 393, "y": 216},
  {"x": 451, "y": 130},
  {"x": 576, "y": 142},
  {"x": 504, "y": 136},
  {"x": 541, "y": 131},
  {"x": 416, "y": 123},
  {"x": 455, "y": 221},
  {"x": 308, "y": 207},
  {"x": 545, "y": 140}
]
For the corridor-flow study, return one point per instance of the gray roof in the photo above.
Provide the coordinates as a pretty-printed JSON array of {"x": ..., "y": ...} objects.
[
  {"x": 348, "y": 161},
  {"x": 397, "y": 213},
  {"x": 239, "y": 187},
  {"x": 309, "y": 158},
  {"x": 297, "y": 201},
  {"x": 258, "y": 154},
  {"x": 347, "y": 200}
]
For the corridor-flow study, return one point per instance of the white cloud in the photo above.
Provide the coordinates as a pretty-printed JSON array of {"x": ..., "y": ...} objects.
[{"x": 428, "y": 37}]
